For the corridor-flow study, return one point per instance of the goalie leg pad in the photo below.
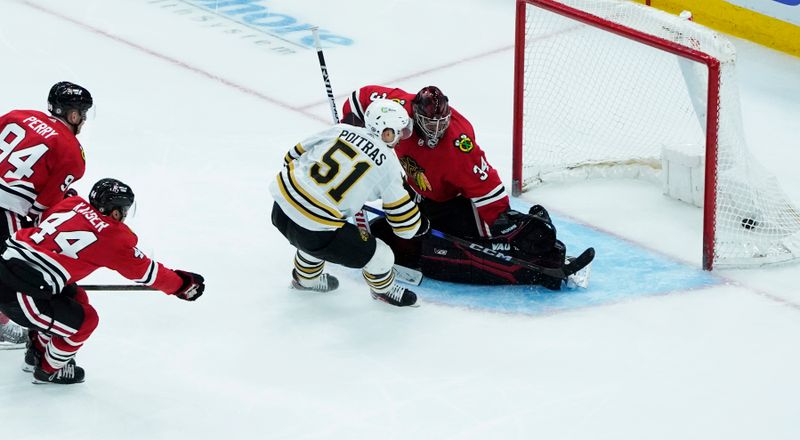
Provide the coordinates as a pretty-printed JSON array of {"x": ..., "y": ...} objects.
[{"x": 447, "y": 261}]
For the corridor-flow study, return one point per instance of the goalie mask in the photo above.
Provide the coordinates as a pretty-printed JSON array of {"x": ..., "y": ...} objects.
[
  {"x": 385, "y": 113},
  {"x": 431, "y": 114}
]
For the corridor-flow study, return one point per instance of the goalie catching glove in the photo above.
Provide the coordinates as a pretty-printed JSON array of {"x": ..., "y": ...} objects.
[
  {"x": 529, "y": 236},
  {"x": 192, "y": 287}
]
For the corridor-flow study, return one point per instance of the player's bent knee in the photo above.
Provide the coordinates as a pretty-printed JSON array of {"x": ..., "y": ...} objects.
[
  {"x": 89, "y": 324},
  {"x": 382, "y": 260}
]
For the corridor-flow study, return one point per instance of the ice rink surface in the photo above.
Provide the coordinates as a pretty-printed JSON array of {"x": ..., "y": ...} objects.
[{"x": 196, "y": 109}]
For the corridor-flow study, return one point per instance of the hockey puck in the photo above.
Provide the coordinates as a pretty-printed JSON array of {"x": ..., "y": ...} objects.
[{"x": 749, "y": 223}]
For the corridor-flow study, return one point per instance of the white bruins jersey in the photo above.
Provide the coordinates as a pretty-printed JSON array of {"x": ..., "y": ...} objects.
[{"x": 328, "y": 177}]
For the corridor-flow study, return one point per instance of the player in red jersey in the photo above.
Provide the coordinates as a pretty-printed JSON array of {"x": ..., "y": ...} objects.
[
  {"x": 39, "y": 267},
  {"x": 462, "y": 195},
  {"x": 40, "y": 157},
  {"x": 443, "y": 163}
]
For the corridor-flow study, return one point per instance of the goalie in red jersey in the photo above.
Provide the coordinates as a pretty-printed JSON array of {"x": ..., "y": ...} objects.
[
  {"x": 462, "y": 195},
  {"x": 39, "y": 268}
]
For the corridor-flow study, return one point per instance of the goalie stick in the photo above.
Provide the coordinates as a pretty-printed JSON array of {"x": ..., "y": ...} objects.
[
  {"x": 359, "y": 217},
  {"x": 574, "y": 265}
]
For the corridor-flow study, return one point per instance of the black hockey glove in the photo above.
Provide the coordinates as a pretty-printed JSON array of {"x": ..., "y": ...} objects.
[
  {"x": 539, "y": 212},
  {"x": 424, "y": 227},
  {"x": 529, "y": 234},
  {"x": 192, "y": 287}
]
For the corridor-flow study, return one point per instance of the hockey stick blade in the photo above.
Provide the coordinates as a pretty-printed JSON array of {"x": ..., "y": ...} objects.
[{"x": 579, "y": 262}]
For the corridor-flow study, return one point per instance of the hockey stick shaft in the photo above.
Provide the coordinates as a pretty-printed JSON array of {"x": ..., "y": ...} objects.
[
  {"x": 324, "y": 68},
  {"x": 360, "y": 217},
  {"x": 489, "y": 253},
  {"x": 116, "y": 287}
]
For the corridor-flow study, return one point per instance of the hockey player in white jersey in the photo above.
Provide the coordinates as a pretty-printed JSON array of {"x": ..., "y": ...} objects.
[{"x": 326, "y": 179}]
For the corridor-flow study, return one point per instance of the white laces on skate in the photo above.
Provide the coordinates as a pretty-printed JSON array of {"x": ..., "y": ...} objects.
[
  {"x": 13, "y": 333},
  {"x": 322, "y": 283},
  {"x": 396, "y": 292},
  {"x": 65, "y": 372},
  {"x": 396, "y": 296}
]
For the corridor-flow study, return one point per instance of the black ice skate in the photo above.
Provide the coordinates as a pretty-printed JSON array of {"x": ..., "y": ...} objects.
[
  {"x": 323, "y": 283},
  {"x": 396, "y": 296},
  {"x": 33, "y": 358},
  {"x": 12, "y": 336},
  {"x": 66, "y": 375}
]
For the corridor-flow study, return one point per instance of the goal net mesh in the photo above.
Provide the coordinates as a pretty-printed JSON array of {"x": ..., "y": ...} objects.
[{"x": 597, "y": 103}]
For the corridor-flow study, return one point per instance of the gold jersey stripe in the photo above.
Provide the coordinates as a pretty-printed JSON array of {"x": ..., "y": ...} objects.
[
  {"x": 302, "y": 209},
  {"x": 403, "y": 200},
  {"x": 402, "y": 217},
  {"x": 407, "y": 228},
  {"x": 332, "y": 211}
]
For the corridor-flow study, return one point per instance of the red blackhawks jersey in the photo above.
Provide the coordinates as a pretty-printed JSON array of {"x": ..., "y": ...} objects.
[
  {"x": 39, "y": 158},
  {"x": 456, "y": 166},
  {"x": 74, "y": 240}
]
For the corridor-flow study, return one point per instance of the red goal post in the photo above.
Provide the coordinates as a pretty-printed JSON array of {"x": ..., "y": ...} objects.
[{"x": 563, "y": 45}]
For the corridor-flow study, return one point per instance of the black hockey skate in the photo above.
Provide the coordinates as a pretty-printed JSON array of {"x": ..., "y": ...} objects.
[
  {"x": 323, "y": 283},
  {"x": 12, "y": 336},
  {"x": 33, "y": 358},
  {"x": 397, "y": 296},
  {"x": 66, "y": 375}
]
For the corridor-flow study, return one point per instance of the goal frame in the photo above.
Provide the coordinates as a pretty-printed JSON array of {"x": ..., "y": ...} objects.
[{"x": 712, "y": 115}]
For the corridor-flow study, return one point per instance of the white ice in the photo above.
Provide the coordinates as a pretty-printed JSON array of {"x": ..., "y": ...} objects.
[{"x": 197, "y": 120}]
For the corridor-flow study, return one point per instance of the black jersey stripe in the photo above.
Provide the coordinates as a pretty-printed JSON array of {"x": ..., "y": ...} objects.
[
  {"x": 40, "y": 263},
  {"x": 402, "y": 216},
  {"x": 35, "y": 257},
  {"x": 397, "y": 204},
  {"x": 355, "y": 104},
  {"x": 24, "y": 195},
  {"x": 311, "y": 200},
  {"x": 497, "y": 193},
  {"x": 410, "y": 227},
  {"x": 302, "y": 209}
]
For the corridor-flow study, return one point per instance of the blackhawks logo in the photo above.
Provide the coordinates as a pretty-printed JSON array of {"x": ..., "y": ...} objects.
[
  {"x": 464, "y": 143},
  {"x": 416, "y": 172}
]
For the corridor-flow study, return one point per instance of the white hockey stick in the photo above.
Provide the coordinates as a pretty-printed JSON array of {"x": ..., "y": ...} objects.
[{"x": 360, "y": 217}]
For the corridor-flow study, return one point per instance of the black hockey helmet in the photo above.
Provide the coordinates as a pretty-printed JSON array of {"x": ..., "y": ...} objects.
[
  {"x": 431, "y": 114},
  {"x": 65, "y": 96},
  {"x": 110, "y": 194}
]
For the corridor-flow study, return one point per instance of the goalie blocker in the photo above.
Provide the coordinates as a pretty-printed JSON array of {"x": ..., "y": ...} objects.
[{"x": 518, "y": 239}]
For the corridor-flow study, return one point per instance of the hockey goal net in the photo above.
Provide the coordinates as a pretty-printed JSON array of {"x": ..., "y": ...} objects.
[{"x": 603, "y": 86}]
